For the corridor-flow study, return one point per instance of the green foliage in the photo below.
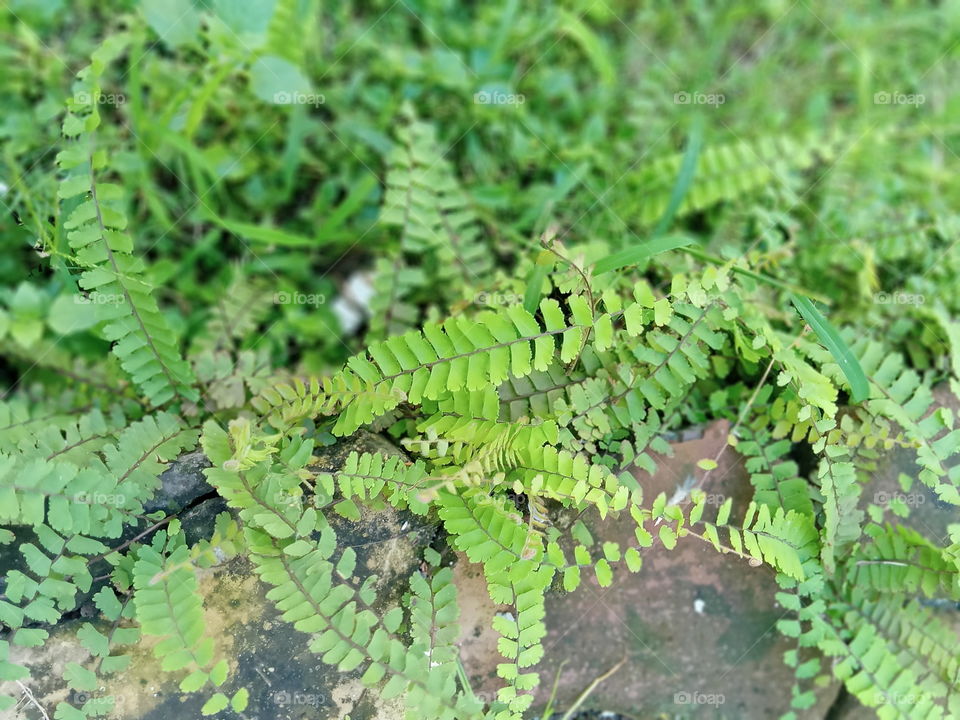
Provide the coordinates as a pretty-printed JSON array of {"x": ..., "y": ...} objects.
[
  {"x": 476, "y": 233},
  {"x": 142, "y": 339}
]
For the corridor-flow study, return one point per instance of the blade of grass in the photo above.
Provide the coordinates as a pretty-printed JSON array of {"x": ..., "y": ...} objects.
[
  {"x": 688, "y": 168},
  {"x": 639, "y": 254},
  {"x": 830, "y": 338},
  {"x": 531, "y": 297},
  {"x": 591, "y": 44}
]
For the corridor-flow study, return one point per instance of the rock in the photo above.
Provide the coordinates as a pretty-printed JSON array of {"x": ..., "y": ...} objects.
[
  {"x": 694, "y": 629},
  {"x": 266, "y": 655},
  {"x": 182, "y": 483}
]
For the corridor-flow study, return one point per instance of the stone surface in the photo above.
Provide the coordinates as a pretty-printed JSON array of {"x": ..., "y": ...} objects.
[
  {"x": 267, "y": 656},
  {"x": 694, "y": 630},
  {"x": 692, "y": 634},
  {"x": 183, "y": 482}
]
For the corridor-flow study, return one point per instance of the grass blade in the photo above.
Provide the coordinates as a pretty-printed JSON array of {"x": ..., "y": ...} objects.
[
  {"x": 830, "y": 338},
  {"x": 640, "y": 253}
]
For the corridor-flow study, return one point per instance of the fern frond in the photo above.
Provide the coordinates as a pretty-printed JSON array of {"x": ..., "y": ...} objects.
[
  {"x": 488, "y": 528},
  {"x": 917, "y": 639},
  {"x": 168, "y": 606},
  {"x": 776, "y": 479},
  {"x": 785, "y": 540},
  {"x": 288, "y": 31},
  {"x": 899, "y": 560},
  {"x": 841, "y": 493},
  {"x": 521, "y": 636},
  {"x": 345, "y": 631},
  {"x": 369, "y": 475},
  {"x": 725, "y": 172},
  {"x": 433, "y": 626},
  {"x": 143, "y": 341},
  {"x": 901, "y": 395},
  {"x": 440, "y": 251}
]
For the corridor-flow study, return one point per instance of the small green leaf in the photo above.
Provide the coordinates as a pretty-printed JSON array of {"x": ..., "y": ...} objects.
[
  {"x": 70, "y": 314},
  {"x": 175, "y": 21},
  {"x": 79, "y": 677},
  {"x": 239, "y": 700},
  {"x": 215, "y": 704},
  {"x": 668, "y": 537},
  {"x": 723, "y": 514},
  {"x": 431, "y": 556},
  {"x": 603, "y": 572},
  {"x": 278, "y": 81}
]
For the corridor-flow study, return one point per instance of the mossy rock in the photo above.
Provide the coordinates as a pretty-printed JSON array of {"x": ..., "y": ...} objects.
[{"x": 266, "y": 655}]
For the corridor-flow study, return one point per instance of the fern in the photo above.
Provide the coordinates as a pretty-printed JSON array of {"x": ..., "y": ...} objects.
[
  {"x": 900, "y": 395},
  {"x": 842, "y": 519},
  {"x": 433, "y": 626},
  {"x": 725, "y": 172},
  {"x": 776, "y": 480},
  {"x": 168, "y": 606},
  {"x": 520, "y": 428},
  {"x": 143, "y": 341},
  {"x": 438, "y": 232}
]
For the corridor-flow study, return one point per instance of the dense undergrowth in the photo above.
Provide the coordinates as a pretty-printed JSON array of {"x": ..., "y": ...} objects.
[{"x": 526, "y": 242}]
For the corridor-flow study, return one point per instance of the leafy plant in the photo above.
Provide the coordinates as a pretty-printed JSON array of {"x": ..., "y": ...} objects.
[{"x": 523, "y": 365}]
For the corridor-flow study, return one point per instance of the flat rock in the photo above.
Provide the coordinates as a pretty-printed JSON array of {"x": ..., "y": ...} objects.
[
  {"x": 693, "y": 633},
  {"x": 267, "y": 655}
]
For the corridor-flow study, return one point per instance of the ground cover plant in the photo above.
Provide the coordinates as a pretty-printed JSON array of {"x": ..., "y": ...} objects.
[{"x": 525, "y": 244}]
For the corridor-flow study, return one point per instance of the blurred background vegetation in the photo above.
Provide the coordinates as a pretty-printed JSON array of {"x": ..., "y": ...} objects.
[{"x": 252, "y": 140}]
